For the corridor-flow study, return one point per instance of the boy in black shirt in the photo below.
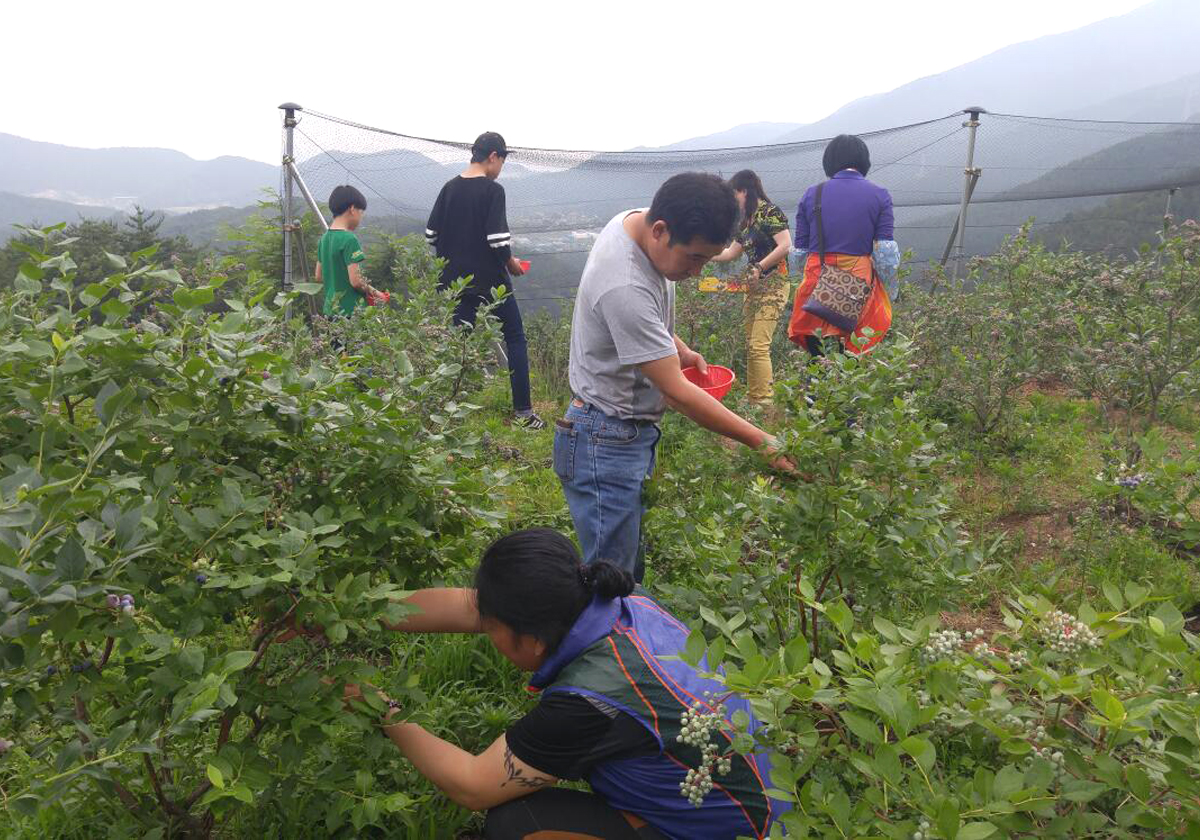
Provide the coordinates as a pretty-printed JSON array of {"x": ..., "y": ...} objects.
[{"x": 468, "y": 227}]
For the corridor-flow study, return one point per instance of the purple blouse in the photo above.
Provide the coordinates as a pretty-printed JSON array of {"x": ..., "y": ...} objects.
[{"x": 856, "y": 213}]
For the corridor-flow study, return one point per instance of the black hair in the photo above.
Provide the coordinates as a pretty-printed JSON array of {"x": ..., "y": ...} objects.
[
  {"x": 749, "y": 181},
  {"x": 487, "y": 143},
  {"x": 696, "y": 204},
  {"x": 344, "y": 197},
  {"x": 846, "y": 151},
  {"x": 534, "y": 583}
]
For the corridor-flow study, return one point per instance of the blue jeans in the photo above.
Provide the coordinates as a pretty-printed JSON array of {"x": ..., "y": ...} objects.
[{"x": 602, "y": 462}]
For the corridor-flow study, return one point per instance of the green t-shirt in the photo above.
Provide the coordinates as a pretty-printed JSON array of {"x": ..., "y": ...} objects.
[{"x": 337, "y": 249}]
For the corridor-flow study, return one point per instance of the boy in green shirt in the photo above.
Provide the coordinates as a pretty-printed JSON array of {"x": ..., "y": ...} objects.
[{"x": 339, "y": 255}]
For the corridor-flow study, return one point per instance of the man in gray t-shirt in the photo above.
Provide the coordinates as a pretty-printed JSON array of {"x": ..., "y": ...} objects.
[{"x": 626, "y": 361}]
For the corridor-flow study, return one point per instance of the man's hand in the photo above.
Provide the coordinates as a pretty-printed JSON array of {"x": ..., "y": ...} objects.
[
  {"x": 690, "y": 358},
  {"x": 352, "y": 694},
  {"x": 514, "y": 267},
  {"x": 770, "y": 451}
]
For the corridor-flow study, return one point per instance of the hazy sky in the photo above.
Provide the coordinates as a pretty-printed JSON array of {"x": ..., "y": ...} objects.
[{"x": 205, "y": 77}]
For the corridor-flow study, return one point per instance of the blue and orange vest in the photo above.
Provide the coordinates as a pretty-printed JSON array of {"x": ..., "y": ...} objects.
[{"x": 616, "y": 652}]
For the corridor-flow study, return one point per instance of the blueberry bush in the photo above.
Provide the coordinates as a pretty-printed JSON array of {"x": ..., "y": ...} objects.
[{"x": 201, "y": 516}]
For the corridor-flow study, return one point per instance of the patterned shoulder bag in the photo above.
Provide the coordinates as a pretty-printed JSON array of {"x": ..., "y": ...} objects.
[{"x": 840, "y": 296}]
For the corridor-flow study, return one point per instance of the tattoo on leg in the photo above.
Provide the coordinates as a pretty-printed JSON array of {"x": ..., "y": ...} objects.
[{"x": 517, "y": 775}]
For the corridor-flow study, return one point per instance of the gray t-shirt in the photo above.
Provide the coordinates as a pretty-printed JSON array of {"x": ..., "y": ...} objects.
[{"x": 624, "y": 316}]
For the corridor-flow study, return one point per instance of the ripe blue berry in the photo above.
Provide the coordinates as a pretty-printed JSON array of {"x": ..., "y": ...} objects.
[
  {"x": 201, "y": 579},
  {"x": 113, "y": 601},
  {"x": 51, "y": 670}
]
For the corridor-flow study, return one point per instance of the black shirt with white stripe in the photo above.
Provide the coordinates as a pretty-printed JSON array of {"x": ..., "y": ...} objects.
[{"x": 468, "y": 227}]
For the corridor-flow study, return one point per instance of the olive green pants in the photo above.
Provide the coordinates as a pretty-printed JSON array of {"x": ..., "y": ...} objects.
[{"x": 762, "y": 313}]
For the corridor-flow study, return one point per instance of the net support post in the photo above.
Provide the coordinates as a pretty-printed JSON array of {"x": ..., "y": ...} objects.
[
  {"x": 289, "y": 125},
  {"x": 1170, "y": 195},
  {"x": 304, "y": 191},
  {"x": 971, "y": 175}
]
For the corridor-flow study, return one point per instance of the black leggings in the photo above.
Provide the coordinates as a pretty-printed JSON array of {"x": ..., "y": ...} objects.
[
  {"x": 514, "y": 338},
  {"x": 561, "y": 814},
  {"x": 818, "y": 347}
]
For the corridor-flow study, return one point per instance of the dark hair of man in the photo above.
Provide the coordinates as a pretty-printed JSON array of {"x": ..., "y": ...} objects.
[
  {"x": 533, "y": 582},
  {"x": 846, "y": 152},
  {"x": 344, "y": 197},
  {"x": 696, "y": 204},
  {"x": 748, "y": 181},
  {"x": 487, "y": 143}
]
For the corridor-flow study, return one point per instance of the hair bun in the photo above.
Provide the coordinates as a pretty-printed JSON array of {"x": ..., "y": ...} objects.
[{"x": 606, "y": 580}]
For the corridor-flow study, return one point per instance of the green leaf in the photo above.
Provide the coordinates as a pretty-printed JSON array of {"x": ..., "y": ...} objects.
[
  {"x": 236, "y": 661},
  {"x": 694, "y": 648},
  {"x": 947, "y": 818},
  {"x": 1139, "y": 781},
  {"x": 1113, "y": 594},
  {"x": 168, "y": 274},
  {"x": 1082, "y": 790},
  {"x": 796, "y": 655},
  {"x": 921, "y": 750},
  {"x": 886, "y": 628},
  {"x": 976, "y": 831},
  {"x": 1136, "y": 593},
  {"x": 841, "y": 616},
  {"x": 862, "y": 728},
  {"x": 887, "y": 763},
  {"x": 215, "y": 776},
  {"x": 99, "y": 334}
]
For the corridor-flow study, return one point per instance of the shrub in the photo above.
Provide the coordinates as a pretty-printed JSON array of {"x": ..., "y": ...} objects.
[
  {"x": 196, "y": 519},
  {"x": 1057, "y": 725}
]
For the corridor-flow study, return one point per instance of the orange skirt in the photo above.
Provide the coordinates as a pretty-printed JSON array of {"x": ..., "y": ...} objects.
[{"x": 876, "y": 316}]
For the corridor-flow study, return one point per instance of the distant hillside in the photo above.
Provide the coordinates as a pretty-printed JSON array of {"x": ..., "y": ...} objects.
[
  {"x": 748, "y": 134},
  {"x": 1174, "y": 158},
  {"x": 119, "y": 178},
  {"x": 1123, "y": 222},
  {"x": 1067, "y": 73},
  {"x": 23, "y": 210},
  {"x": 206, "y": 228}
]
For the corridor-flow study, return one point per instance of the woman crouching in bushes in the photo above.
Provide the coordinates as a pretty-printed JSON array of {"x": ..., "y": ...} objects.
[{"x": 613, "y": 704}]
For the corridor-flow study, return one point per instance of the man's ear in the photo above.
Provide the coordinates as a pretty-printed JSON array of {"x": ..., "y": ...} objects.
[{"x": 660, "y": 231}]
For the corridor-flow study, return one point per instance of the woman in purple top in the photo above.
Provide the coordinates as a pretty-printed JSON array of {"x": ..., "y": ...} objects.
[{"x": 857, "y": 216}]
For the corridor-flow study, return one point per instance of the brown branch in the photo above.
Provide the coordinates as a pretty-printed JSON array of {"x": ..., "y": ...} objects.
[
  {"x": 226, "y": 727},
  {"x": 167, "y": 805},
  {"x": 259, "y": 725},
  {"x": 128, "y": 799},
  {"x": 108, "y": 649}
]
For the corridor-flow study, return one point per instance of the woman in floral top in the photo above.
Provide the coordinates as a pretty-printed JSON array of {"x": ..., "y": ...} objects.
[{"x": 765, "y": 239}]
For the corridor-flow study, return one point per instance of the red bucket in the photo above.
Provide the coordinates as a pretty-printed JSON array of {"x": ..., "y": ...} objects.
[{"x": 718, "y": 381}]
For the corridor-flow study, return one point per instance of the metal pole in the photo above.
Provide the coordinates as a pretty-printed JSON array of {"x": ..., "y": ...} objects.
[
  {"x": 312, "y": 203},
  {"x": 971, "y": 174},
  {"x": 289, "y": 124},
  {"x": 954, "y": 228},
  {"x": 1170, "y": 194}
]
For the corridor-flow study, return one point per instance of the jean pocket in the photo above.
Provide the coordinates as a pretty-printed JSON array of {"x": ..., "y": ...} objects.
[
  {"x": 564, "y": 452},
  {"x": 613, "y": 432}
]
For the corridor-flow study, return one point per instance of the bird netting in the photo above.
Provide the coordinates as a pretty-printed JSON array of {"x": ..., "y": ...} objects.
[{"x": 559, "y": 199}]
